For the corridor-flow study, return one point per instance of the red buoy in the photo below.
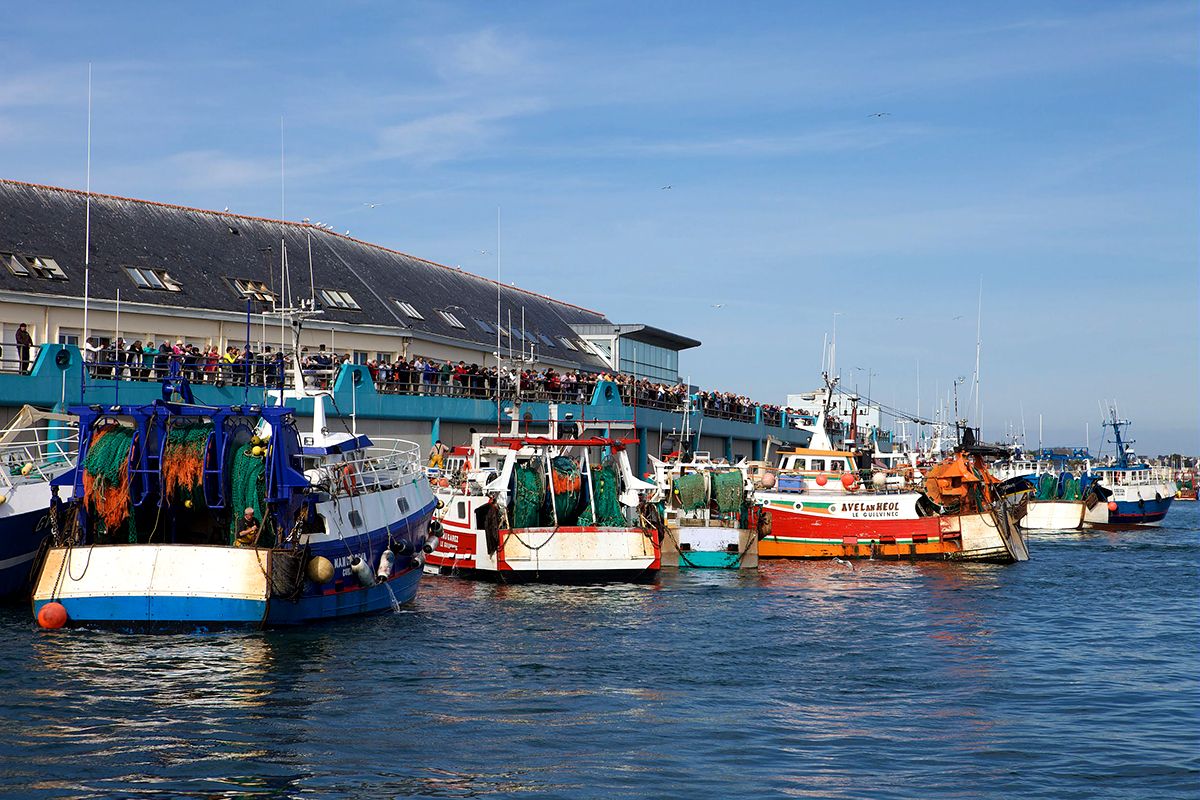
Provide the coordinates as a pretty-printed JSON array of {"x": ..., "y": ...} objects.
[
  {"x": 1112, "y": 506},
  {"x": 52, "y": 616},
  {"x": 822, "y": 480},
  {"x": 848, "y": 480}
]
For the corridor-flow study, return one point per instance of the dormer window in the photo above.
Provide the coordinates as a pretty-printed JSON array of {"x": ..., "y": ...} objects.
[
  {"x": 567, "y": 343},
  {"x": 145, "y": 278},
  {"x": 339, "y": 299},
  {"x": 408, "y": 309},
  {"x": 255, "y": 290},
  {"x": 452, "y": 320},
  {"x": 33, "y": 266}
]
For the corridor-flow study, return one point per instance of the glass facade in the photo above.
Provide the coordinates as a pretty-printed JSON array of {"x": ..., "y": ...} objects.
[{"x": 649, "y": 361}]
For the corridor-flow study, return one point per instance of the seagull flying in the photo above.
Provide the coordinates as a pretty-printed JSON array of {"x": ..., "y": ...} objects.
[
  {"x": 718, "y": 305},
  {"x": 880, "y": 114},
  {"x": 899, "y": 318},
  {"x": 372, "y": 205},
  {"x": 843, "y": 562},
  {"x": 959, "y": 316},
  {"x": 668, "y": 186}
]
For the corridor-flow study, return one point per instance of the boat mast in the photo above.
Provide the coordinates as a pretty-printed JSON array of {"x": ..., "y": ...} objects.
[{"x": 87, "y": 230}]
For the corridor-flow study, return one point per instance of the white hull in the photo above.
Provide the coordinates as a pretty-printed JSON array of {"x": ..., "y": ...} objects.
[{"x": 1054, "y": 515}]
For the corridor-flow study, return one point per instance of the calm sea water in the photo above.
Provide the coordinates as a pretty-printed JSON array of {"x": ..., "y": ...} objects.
[{"x": 1076, "y": 675}]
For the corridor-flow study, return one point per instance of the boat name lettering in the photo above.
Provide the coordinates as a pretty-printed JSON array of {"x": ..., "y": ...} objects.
[{"x": 881, "y": 509}]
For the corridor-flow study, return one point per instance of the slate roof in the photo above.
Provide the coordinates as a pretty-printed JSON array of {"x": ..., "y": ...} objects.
[{"x": 204, "y": 250}]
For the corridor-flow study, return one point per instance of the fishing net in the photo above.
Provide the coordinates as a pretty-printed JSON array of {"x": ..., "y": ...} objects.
[
  {"x": 564, "y": 472},
  {"x": 106, "y": 478},
  {"x": 183, "y": 462},
  {"x": 1070, "y": 488},
  {"x": 247, "y": 487},
  {"x": 605, "y": 491},
  {"x": 729, "y": 491},
  {"x": 1047, "y": 487},
  {"x": 528, "y": 498},
  {"x": 691, "y": 491}
]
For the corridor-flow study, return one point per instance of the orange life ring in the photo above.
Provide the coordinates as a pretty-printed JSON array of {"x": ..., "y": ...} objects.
[{"x": 349, "y": 479}]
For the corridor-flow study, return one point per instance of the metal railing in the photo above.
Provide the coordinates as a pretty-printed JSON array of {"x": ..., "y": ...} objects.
[
  {"x": 42, "y": 453},
  {"x": 1115, "y": 476}
]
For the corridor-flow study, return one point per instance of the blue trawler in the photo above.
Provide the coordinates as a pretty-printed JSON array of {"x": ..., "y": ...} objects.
[
  {"x": 1141, "y": 494},
  {"x": 184, "y": 514}
]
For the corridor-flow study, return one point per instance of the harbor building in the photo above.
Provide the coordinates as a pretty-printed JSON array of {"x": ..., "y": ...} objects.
[{"x": 167, "y": 273}]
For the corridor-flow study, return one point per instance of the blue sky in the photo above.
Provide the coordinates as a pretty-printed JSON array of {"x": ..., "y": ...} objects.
[{"x": 1050, "y": 148}]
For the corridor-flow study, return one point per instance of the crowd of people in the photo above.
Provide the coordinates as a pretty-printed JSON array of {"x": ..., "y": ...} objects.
[{"x": 418, "y": 375}]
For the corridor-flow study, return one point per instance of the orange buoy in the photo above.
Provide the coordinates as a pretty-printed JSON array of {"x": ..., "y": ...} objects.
[
  {"x": 822, "y": 480},
  {"x": 1112, "y": 506},
  {"x": 848, "y": 480},
  {"x": 52, "y": 616}
]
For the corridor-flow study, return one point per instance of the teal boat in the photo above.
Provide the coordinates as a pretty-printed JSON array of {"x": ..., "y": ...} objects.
[{"x": 706, "y": 509}]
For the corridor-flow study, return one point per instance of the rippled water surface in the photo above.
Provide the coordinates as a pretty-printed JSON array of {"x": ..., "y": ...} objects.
[{"x": 1076, "y": 675}]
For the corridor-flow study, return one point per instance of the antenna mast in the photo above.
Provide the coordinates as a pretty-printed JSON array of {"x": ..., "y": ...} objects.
[{"x": 87, "y": 232}]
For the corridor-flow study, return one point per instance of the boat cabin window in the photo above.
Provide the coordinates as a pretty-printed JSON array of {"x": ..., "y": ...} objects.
[
  {"x": 817, "y": 463},
  {"x": 402, "y": 504},
  {"x": 462, "y": 510},
  {"x": 355, "y": 518}
]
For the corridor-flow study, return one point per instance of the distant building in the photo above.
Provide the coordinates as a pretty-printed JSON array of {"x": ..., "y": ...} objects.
[
  {"x": 843, "y": 408},
  {"x": 639, "y": 350}
]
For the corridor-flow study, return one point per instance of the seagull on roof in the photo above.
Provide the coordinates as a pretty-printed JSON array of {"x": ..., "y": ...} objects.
[{"x": 880, "y": 114}]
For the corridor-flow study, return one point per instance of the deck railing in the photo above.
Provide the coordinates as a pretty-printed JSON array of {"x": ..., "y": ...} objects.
[{"x": 39, "y": 455}]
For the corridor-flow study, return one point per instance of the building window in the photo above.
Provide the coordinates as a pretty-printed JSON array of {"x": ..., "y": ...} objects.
[
  {"x": 16, "y": 264},
  {"x": 338, "y": 299},
  {"x": 255, "y": 290},
  {"x": 145, "y": 278},
  {"x": 383, "y": 358},
  {"x": 33, "y": 266},
  {"x": 453, "y": 320},
  {"x": 485, "y": 327},
  {"x": 408, "y": 309},
  {"x": 361, "y": 357},
  {"x": 68, "y": 338},
  {"x": 546, "y": 340},
  {"x": 47, "y": 268},
  {"x": 567, "y": 343}
]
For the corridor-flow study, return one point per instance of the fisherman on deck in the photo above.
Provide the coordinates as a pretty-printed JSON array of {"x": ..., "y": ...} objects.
[
  {"x": 24, "y": 342},
  {"x": 247, "y": 535}
]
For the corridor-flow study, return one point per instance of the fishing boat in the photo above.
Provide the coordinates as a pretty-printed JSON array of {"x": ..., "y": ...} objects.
[
  {"x": 229, "y": 515},
  {"x": 709, "y": 517},
  {"x": 1141, "y": 494},
  {"x": 831, "y": 503},
  {"x": 557, "y": 506},
  {"x": 1065, "y": 502},
  {"x": 36, "y": 447}
]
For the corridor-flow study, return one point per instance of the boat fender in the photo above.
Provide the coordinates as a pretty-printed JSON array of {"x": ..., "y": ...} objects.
[
  {"x": 1158, "y": 497},
  {"x": 400, "y": 548},
  {"x": 3, "y": 499},
  {"x": 320, "y": 569},
  {"x": 765, "y": 523},
  {"x": 822, "y": 480},
  {"x": 416, "y": 562},
  {"x": 431, "y": 544},
  {"x": 435, "y": 527},
  {"x": 362, "y": 571},
  {"x": 849, "y": 481},
  {"x": 28, "y": 468},
  {"x": 387, "y": 562},
  {"x": 440, "y": 504},
  {"x": 52, "y": 616},
  {"x": 1112, "y": 506},
  {"x": 879, "y": 480}
]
